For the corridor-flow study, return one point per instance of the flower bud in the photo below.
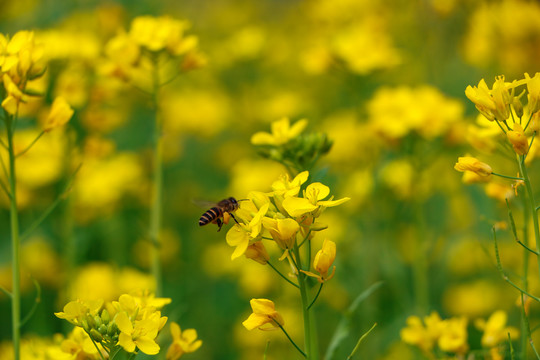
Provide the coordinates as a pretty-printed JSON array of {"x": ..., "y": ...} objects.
[
  {"x": 258, "y": 253},
  {"x": 468, "y": 163},
  {"x": 91, "y": 321},
  {"x": 96, "y": 335},
  {"x": 112, "y": 329},
  {"x": 518, "y": 107},
  {"x": 105, "y": 316},
  {"x": 518, "y": 139},
  {"x": 98, "y": 321},
  {"x": 102, "y": 329}
]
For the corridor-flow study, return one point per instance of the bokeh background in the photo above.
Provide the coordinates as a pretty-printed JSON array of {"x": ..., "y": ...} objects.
[{"x": 384, "y": 79}]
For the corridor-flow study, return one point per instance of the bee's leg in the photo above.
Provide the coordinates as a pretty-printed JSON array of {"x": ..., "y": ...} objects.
[
  {"x": 236, "y": 221},
  {"x": 219, "y": 223}
]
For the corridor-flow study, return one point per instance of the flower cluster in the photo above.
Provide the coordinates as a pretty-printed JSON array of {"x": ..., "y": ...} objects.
[
  {"x": 148, "y": 41},
  {"x": 288, "y": 144},
  {"x": 501, "y": 104},
  {"x": 434, "y": 334},
  {"x": 284, "y": 215},
  {"x": 21, "y": 62},
  {"x": 132, "y": 323}
]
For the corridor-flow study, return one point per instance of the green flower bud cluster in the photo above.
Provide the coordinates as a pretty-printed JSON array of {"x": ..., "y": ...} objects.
[{"x": 101, "y": 329}]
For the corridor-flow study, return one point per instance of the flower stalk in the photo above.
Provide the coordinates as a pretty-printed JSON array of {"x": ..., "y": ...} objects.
[
  {"x": 531, "y": 204},
  {"x": 157, "y": 183},
  {"x": 15, "y": 240}
]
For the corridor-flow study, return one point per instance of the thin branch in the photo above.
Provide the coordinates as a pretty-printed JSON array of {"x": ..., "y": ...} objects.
[
  {"x": 360, "y": 341},
  {"x": 31, "y": 144},
  {"x": 5, "y": 291},
  {"x": 507, "y": 177},
  {"x": 36, "y": 303},
  {"x": 291, "y": 340},
  {"x": 52, "y": 206},
  {"x": 280, "y": 274},
  {"x": 503, "y": 274},
  {"x": 316, "y": 296}
]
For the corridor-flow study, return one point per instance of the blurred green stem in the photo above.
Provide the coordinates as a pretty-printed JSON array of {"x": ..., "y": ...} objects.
[
  {"x": 15, "y": 241},
  {"x": 524, "y": 320},
  {"x": 420, "y": 265},
  {"x": 309, "y": 334},
  {"x": 157, "y": 183},
  {"x": 531, "y": 204}
]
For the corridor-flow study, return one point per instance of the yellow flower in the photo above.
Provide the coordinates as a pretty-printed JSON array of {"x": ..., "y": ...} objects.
[
  {"x": 323, "y": 260},
  {"x": 264, "y": 312},
  {"x": 454, "y": 336},
  {"x": 422, "y": 336},
  {"x": 492, "y": 103},
  {"x": 162, "y": 33},
  {"x": 183, "y": 342},
  {"x": 77, "y": 343},
  {"x": 495, "y": 329},
  {"x": 61, "y": 112},
  {"x": 76, "y": 311},
  {"x": 241, "y": 234},
  {"x": 518, "y": 139},
  {"x": 283, "y": 231},
  {"x": 468, "y": 163},
  {"x": 282, "y": 133},
  {"x": 312, "y": 200},
  {"x": 140, "y": 334},
  {"x": 257, "y": 252},
  {"x": 533, "y": 86},
  {"x": 14, "y": 95}
]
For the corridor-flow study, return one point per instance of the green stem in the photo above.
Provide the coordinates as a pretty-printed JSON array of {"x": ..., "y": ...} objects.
[
  {"x": 280, "y": 274},
  {"x": 31, "y": 144},
  {"x": 524, "y": 320},
  {"x": 15, "y": 243},
  {"x": 316, "y": 296},
  {"x": 309, "y": 345},
  {"x": 507, "y": 177},
  {"x": 157, "y": 185},
  {"x": 532, "y": 206},
  {"x": 291, "y": 340},
  {"x": 360, "y": 341}
]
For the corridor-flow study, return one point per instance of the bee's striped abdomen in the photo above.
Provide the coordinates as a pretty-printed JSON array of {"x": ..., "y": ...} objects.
[{"x": 211, "y": 215}]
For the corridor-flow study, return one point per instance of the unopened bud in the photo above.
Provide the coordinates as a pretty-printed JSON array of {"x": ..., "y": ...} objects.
[
  {"x": 112, "y": 329},
  {"x": 105, "y": 317},
  {"x": 98, "y": 321},
  {"x": 91, "y": 321},
  {"x": 102, "y": 329},
  {"x": 96, "y": 335},
  {"x": 518, "y": 107}
]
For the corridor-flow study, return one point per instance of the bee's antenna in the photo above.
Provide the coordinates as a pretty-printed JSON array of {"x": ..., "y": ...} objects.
[{"x": 242, "y": 200}]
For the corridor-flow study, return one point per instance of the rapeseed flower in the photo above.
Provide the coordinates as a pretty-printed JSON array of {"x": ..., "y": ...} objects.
[
  {"x": 468, "y": 163},
  {"x": 264, "y": 312},
  {"x": 283, "y": 231},
  {"x": 517, "y": 138},
  {"x": 140, "y": 334},
  {"x": 282, "y": 132},
  {"x": 495, "y": 330},
  {"x": 242, "y": 234},
  {"x": 60, "y": 113},
  {"x": 323, "y": 261},
  {"x": 424, "y": 335},
  {"x": 313, "y": 201},
  {"x": 76, "y": 312},
  {"x": 183, "y": 342}
]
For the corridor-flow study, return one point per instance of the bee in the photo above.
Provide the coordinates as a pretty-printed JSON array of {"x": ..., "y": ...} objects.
[{"x": 218, "y": 213}]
